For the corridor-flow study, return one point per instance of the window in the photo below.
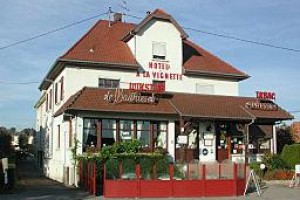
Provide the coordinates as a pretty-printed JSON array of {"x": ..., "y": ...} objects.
[
  {"x": 58, "y": 136},
  {"x": 160, "y": 135},
  {"x": 47, "y": 102},
  {"x": 109, "y": 132},
  {"x": 159, "y": 50},
  {"x": 89, "y": 132},
  {"x": 56, "y": 93},
  {"x": 50, "y": 100},
  {"x": 143, "y": 133},
  {"x": 109, "y": 83},
  {"x": 61, "y": 88},
  {"x": 70, "y": 133},
  {"x": 205, "y": 88},
  {"x": 126, "y": 129}
]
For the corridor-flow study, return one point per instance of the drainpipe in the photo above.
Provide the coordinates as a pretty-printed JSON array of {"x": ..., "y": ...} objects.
[
  {"x": 75, "y": 164},
  {"x": 274, "y": 140},
  {"x": 247, "y": 141},
  {"x": 247, "y": 134}
]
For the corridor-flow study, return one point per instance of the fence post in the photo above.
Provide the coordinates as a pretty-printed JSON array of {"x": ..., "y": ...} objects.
[
  {"x": 120, "y": 169},
  {"x": 235, "y": 180},
  {"x": 138, "y": 181},
  {"x": 171, "y": 172},
  {"x": 104, "y": 179},
  {"x": 80, "y": 174},
  {"x": 87, "y": 176},
  {"x": 95, "y": 177},
  {"x": 154, "y": 170},
  {"x": 219, "y": 169},
  {"x": 204, "y": 179}
]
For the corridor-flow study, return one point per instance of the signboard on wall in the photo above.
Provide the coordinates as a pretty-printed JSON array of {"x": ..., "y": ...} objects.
[
  {"x": 265, "y": 95},
  {"x": 182, "y": 139},
  {"x": 157, "y": 87},
  {"x": 119, "y": 96},
  {"x": 159, "y": 71},
  {"x": 261, "y": 106}
]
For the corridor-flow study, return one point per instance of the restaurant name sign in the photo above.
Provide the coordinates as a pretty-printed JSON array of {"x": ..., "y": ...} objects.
[
  {"x": 120, "y": 96},
  {"x": 261, "y": 106}
]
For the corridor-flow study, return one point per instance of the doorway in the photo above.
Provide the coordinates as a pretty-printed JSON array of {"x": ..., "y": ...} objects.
[{"x": 223, "y": 141}]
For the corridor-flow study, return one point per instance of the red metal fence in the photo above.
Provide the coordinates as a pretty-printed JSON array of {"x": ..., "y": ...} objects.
[
  {"x": 153, "y": 179},
  {"x": 126, "y": 179},
  {"x": 88, "y": 176}
]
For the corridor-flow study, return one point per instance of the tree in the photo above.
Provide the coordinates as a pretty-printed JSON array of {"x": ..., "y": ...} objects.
[
  {"x": 5, "y": 143},
  {"x": 23, "y": 140},
  {"x": 284, "y": 136}
]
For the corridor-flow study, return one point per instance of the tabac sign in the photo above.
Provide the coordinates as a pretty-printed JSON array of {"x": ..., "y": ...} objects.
[
  {"x": 265, "y": 95},
  {"x": 120, "y": 96}
]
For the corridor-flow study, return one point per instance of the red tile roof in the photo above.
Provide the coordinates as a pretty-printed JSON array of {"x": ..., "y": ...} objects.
[
  {"x": 103, "y": 44},
  {"x": 223, "y": 107},
  {"x": 197, "y": 60},
  {"x": 92, "y": 99},
  {"x": 186, "y": 105}
]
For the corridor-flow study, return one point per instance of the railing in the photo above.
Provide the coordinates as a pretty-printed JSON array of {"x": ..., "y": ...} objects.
[
  {"x": 161, "y": 179},
  {"x": 88, "y": 176}
]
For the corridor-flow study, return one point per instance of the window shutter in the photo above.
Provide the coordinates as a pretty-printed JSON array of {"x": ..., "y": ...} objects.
[{"x": 62, "y": 88}]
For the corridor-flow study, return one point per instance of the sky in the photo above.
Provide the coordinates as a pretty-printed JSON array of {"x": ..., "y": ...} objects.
[{"x": 275, "y": 22}]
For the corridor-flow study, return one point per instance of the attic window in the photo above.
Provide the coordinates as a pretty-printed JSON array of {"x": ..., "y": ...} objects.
[{"x": 159, "y": 50}]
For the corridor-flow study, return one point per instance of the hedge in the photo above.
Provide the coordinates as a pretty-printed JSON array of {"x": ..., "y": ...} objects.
[{"x": 291, "y": 154}]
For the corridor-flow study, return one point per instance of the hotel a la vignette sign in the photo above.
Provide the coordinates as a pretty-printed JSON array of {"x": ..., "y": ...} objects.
[
  {"x": 159, "y": 71},
  {"x": 261, "y": 105}
]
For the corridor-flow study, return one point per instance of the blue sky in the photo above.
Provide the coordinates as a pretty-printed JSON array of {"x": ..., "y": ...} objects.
[{"x": 271, "y": 21}]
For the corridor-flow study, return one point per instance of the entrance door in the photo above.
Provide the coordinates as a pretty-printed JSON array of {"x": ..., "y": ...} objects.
[
  {"x": 223, "y": 142},
  {"x": 191, "y": 150}
]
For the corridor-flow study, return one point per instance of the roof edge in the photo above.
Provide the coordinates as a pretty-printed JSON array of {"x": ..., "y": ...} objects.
[
  {"x": 215, "y": 74},
  {"x": 119, "y": 65}
]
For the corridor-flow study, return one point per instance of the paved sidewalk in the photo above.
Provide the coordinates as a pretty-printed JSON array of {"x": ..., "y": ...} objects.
[{"x": 32, "y": 185}]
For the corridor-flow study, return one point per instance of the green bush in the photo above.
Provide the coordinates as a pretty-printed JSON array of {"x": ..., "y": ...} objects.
[
  {"x": 255, "y": 166},
  {"x": 291, "y": 154},
  {"x": 274, "y": 161}
]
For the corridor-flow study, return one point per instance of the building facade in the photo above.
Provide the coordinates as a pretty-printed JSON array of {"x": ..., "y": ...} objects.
[{"x": 148, "y": 81}]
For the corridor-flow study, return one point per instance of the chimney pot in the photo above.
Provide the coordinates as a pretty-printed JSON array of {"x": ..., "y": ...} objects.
[{"x": 118, "y": 17}]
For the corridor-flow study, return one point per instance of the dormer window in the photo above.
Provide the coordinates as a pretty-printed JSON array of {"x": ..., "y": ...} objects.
[{"x": 159, "y": 50}]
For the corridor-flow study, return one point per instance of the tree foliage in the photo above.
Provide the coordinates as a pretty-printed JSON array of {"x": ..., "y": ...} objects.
[
  {"x": 5, "y": 142},
  {"x": 284, "y": 137}
]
